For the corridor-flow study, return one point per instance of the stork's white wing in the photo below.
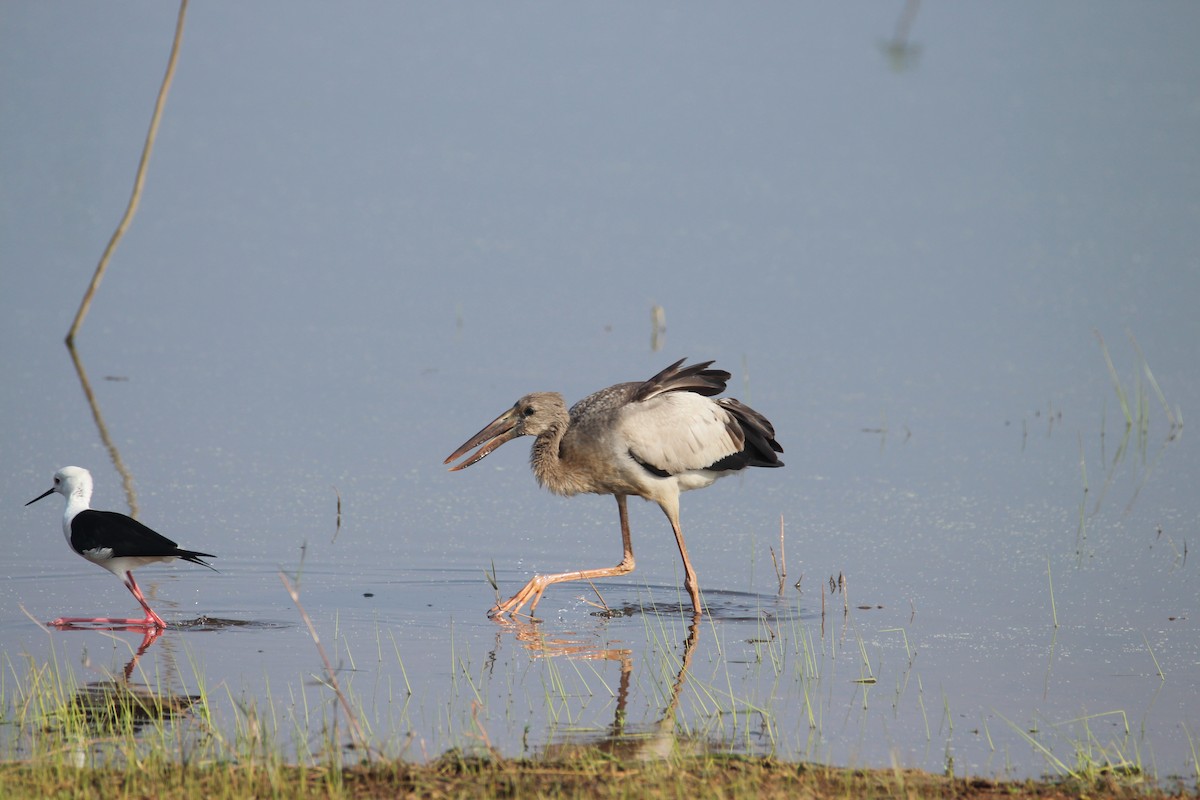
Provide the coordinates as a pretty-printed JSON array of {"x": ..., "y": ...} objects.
[{"x": 679, "y": 431}]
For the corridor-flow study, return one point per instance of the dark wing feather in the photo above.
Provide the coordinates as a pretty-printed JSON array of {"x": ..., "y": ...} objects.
[
  {"x": 125, "y": 536},
  {"x": 746, "y": 424},
  {"x": 749, "y": 432},
  {"x": 760, "y": 447},
  {"x": 696, "y": 378}
]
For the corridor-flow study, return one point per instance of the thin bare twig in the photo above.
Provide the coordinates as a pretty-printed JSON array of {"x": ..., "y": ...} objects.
[
  {"x": 775, "y": 563},
  {"x": 138, "y": 181},
  {"x": 45, "y": 628},
  {"x": 822, "y": 608},
  {"x": 602, "y": 604},
  {"x": 360, "y": 740},
  {"x": 337, "y": 529},
  {"x": 483, "y": 734},
  {"x": 781, "y": 566}
]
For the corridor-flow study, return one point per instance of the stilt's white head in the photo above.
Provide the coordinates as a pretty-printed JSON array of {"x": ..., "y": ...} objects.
[{"x": 73, "y": 483}]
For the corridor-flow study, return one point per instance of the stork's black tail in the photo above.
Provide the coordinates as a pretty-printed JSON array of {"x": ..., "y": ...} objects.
[
  {"x": 760, "y": 446},
  {"x": 756, "y": 431}
]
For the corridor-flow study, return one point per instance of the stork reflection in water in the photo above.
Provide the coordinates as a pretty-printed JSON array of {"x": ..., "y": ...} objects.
[{"x": 651, "y": 439}]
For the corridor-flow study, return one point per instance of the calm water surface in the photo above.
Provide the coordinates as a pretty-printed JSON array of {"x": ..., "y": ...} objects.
[{"x": 363, "y": 236}]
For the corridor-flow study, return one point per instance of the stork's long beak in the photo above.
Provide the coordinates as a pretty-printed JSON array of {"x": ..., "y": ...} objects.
[
  {"x": 500, "y": 430},
  {"x": 46, "y": 493}
]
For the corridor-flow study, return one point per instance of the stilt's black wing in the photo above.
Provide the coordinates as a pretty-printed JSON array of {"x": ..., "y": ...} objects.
[{"x": 124, "y": 536}]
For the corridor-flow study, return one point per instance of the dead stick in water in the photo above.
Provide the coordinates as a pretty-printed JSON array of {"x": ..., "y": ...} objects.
[
  {"x": 360, "y": 740},
  {"x": 782, "y": 556},
  {"x": 138, "y": 181},
  {"x": 780, "y": 562},
  {"x": 822, "y": 608}
]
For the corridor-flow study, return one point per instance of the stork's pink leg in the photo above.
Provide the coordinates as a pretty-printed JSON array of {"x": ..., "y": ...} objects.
[
  {"x": 689, "y": 575},
  {"x": 533, "y": 590}
]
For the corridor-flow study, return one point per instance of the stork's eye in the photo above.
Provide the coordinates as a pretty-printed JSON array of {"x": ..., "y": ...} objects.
[{"x": 528, "y": 412}]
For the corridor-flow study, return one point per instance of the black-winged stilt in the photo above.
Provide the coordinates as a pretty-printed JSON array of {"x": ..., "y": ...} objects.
[{"x": 114, "y": 541}]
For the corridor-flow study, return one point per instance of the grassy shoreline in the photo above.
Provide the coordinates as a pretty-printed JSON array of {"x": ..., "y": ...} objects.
[
  {"x": 590, "y": 773},
  {"x": 127, "y": 738}
]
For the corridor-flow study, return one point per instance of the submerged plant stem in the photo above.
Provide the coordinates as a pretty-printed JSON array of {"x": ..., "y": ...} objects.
[{"x": 1116, "y": 381}]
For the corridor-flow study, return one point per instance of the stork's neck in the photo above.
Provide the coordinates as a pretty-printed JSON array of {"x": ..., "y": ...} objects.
[{"x": 546, "y": 459}]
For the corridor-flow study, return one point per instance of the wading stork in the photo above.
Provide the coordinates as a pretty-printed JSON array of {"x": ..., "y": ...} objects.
[{"x": 651, "y": 439}]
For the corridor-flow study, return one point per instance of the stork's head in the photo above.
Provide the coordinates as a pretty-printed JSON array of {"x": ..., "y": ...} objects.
[{"x": 532, "y": 415}]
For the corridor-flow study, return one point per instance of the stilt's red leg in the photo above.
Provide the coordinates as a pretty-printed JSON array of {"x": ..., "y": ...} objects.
[
  {"x": 151, "y": 617},
  {"x": 151, "y": 620}
]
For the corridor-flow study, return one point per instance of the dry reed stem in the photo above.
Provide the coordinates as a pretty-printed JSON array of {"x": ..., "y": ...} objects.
[
  {"x": 779, "y": 563},
  {"x": 360, "y": 740},
  {"x": 338, "y": 528},
  {"x": 139, "y": 179}
]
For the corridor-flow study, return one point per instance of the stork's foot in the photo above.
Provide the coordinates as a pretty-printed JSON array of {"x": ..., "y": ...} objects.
[
  {"x": 531, "y": 593},
  {"x": 693, "y": 591}
]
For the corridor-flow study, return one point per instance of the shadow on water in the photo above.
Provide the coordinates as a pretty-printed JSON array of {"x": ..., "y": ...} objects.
[
  {"x": 720, "y": 606},
  {"x": 203, "y": 624}
]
